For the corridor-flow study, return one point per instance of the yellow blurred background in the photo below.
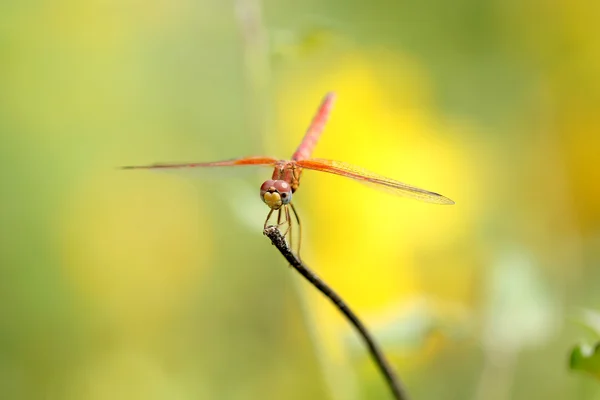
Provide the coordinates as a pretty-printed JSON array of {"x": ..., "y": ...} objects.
[{"x": 137, "y": 285}]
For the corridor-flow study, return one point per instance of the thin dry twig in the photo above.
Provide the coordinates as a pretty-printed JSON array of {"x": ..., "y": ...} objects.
[{"x": 393, "y": 381}]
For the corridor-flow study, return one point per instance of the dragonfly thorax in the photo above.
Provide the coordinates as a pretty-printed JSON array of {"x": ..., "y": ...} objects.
[{"x": 276, "y": 193}]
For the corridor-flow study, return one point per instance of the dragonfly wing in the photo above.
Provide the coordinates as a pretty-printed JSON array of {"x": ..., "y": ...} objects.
[
  {"x": 259, "y": 161},
  {"x": 372, "y": 179},
  {"x": 218, "y": 170},
  {"x": 315, "y": 129}
]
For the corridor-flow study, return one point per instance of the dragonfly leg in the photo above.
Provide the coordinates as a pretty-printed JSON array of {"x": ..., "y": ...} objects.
[
  {"x": 279, "y": 223},
  {"x": 279, "y": 214},
  {"x": 287, "y": 220},
  {"x": 268, "y": 216},
  {"x": 290, "y": 229},
  {"x": 299, "y": 230}
]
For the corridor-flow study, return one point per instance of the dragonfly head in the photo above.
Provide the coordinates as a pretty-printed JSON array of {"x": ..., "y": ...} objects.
[{"x": 276, "y": 193}]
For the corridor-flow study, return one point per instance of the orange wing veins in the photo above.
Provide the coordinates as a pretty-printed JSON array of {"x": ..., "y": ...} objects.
[
  {"x": 260, "y": 161},
  {"x": 372, "y": 179}
]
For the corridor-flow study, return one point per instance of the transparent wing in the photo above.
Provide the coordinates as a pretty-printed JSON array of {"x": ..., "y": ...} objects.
[
  {"x": 260, "y": 161},
  {"x": 372, "y": 179}
]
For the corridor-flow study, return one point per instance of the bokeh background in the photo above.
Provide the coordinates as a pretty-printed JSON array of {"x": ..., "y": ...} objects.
[{"x": 136, "y": 285}]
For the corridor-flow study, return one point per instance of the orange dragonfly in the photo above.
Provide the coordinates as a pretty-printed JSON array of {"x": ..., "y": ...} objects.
[{"x": 277, "y": 192}]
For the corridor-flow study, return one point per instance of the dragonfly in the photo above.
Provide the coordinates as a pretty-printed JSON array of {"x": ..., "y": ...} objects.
[{"x": 277, "y": 192}]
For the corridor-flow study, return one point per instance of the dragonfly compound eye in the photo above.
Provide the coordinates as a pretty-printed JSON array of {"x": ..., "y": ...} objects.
[
  {"x": 276, "y": 193},
  {"x": 286, "y": 197},
  {"x": 285, "y": 191}
]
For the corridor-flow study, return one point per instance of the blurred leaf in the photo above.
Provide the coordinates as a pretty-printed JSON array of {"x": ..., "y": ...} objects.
[
  {"x": 410, "y": 326},
  {"x": 586, "y": 358},
  {"x": 591, "y": 320},
  {"x": 520, "y": 307}
]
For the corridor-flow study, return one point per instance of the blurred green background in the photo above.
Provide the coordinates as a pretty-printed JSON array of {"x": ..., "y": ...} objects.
[{"x": 135, "y": 285}]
